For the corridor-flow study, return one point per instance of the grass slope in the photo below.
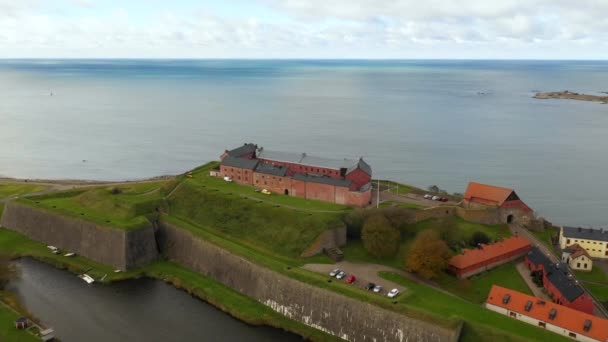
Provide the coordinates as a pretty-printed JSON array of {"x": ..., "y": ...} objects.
[
  {"x": 7, "y": 327},
  {"x": 284, "y": 230},
  {"x": 126, "y": 210},
  {"x": 18, "y": 189}
]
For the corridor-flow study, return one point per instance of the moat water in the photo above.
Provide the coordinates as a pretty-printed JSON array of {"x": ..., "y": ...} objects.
[
  {"x": 129, "y": 311},
  {"x": 419, "y": 122}
]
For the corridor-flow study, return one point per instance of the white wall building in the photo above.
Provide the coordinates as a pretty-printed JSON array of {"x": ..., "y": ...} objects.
[{"x": 594, "y": 241}]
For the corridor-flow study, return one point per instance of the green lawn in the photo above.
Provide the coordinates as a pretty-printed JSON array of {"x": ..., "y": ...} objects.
[
  {"x": 18, "y": 189},
  {"x": 476, "y": 288},
  {"x": 596, "y": 274},
  {"x": 391, "y": 204},
  {"x": 202, "y": 180},
  {"x": 125, "y": 210},
  {"x": 599, "y": 291},
  {"x": 7, "y": 327},
  {"x": 1, "y": 209},
  {"x": 480, "y": 324},
  {"x": 545, "y": 238}
]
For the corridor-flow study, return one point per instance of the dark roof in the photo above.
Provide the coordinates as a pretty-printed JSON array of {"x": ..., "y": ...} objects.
[
  {"x": 586, "y": 233},
  {"x": 538, "y": 258},
  {"x": 242, "y": 163},
  {"x": 365, "y": 166},
  {"x": 322, "y": 180},
  {"x": 557, "y": 274},
  {"x": 271, "y": 169},
  {"x": 314, "y": 161},
  {"x": 243, "y": 150}
]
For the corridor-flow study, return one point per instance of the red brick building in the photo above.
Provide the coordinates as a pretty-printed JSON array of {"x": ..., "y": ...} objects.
[
  {"x": 510, "y": 207},
  {"x": 486, "y": 257},
  {"x": 342, "y": 181},
  {"x": 558, "y": 283}
]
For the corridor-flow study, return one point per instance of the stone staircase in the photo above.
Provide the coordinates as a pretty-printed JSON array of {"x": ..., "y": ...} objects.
[{"x": 334, "y": 253}]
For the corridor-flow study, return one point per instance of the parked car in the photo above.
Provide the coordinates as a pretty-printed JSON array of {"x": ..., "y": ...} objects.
[
  {"x": 427, "y": 196},
  {"x": 228, "y": 179},
  {"x": 377, "y": 289},
  {"x": 334, "y": 272},
  {"x": 265, "y": 192},
  {"x": 370, "y": 286},
  {"x": 435, "y": 198},
  {"x": 341, "y": 275},
  {"x": 393, "y": 293},
  {"x": 443, "y": 199},
  {"x": 350, "y": 279}
]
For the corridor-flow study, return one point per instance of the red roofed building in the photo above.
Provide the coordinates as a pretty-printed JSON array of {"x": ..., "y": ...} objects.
[
  {"x": 559, "y": 319},
  {"x": 511, "y": 207},
  {"x": 342, "y": 181},
  {"x": 473, "y": 261}
]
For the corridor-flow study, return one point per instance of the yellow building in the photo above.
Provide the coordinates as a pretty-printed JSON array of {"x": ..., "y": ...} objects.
[
  {"x": 594, "y": 241},
  {"x": 577, "y": 258}
]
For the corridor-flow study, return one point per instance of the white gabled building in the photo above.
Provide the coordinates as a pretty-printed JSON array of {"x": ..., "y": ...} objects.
[
  {"x": 594, "y": 241},
  {"x": 577, "y": 258}
]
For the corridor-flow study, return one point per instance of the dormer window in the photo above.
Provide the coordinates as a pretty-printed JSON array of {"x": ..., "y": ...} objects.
[
  {"x": 587, "y": 326},
  {"x": 528, "y": 305}
]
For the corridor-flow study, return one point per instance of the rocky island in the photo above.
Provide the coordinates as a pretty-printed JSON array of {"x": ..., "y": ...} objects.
[{"x": 569, "y": 95}]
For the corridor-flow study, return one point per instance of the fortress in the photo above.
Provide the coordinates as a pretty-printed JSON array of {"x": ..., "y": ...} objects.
[{"x": 341, "y": 181}]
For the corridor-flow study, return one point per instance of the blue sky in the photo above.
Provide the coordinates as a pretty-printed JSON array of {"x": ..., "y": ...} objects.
[{"x": 523, "y": 29}]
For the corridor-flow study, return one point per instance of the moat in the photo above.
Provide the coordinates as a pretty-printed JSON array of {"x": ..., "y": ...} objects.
[{"x": 134, "y": 310}]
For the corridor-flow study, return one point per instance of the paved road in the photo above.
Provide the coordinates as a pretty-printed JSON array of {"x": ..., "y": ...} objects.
[
  {"x": 525, "y": 274},
  {"x": 599, "y": 310},
  {"x": 368, "y": 273}
]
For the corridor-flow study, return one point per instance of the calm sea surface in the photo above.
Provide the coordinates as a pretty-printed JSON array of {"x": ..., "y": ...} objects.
[{"x": 419, "y": 122}]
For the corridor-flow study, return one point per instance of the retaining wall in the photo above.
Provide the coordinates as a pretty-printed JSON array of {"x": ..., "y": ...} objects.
[
  {"x": 111, "y": 246},
  {"x": 325, "y": 310},
  {"x": 328, "y": 239}
]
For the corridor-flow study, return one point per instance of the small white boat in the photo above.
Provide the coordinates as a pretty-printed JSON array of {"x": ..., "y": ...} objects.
[
  {"x": 53, "y": 248},
  {"x": 69, "y": 254},
  {"x": 87, "y": 278},
  {"x": 117, "y": 271}
]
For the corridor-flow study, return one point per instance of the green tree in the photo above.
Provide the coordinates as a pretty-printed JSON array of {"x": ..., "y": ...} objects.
[
  {"x": 380, "y": 238},
  {"x": 479, "y": 238},
  {"x": 429, "y": 255}
]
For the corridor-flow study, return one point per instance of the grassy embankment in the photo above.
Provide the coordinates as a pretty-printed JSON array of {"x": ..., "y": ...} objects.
[
  {"x": 268, "y": 230},
  {"x": 7, "y": 327},
  {"x": 9, "y": 189},
  {"x": 355, "y": 252},
  {"x": 591, "y": 279}
]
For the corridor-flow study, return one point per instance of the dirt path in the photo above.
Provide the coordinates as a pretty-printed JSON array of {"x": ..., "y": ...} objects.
[{"x": 525, "y": 274}]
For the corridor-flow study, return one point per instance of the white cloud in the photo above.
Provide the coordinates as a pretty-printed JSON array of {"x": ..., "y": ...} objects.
[{"x": 314, "y": 28}]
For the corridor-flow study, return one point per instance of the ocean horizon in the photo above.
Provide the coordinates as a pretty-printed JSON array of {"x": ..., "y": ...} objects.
[{"x": 420, "y": 122}]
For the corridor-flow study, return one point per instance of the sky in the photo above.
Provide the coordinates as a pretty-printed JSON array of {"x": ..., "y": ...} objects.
[{"x": 376, "y": 29}]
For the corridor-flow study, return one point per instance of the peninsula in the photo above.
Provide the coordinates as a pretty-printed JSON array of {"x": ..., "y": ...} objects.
[{"x": 569, "y": 95}]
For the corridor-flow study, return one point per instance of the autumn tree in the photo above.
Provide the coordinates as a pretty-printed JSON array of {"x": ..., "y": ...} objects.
[
  {"x": 380, "y": 238},
  {"x": 429, "y": 255}
]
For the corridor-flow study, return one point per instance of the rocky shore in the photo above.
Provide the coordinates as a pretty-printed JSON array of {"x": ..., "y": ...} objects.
[{"x": 568, "y": 95}]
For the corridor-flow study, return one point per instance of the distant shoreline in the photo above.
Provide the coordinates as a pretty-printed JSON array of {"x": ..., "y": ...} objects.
[{"x": 568, "y": 95}]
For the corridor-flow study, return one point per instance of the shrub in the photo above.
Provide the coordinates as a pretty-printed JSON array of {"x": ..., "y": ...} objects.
[
  {"x": 379, "y": 237},
  {"x": 429, "y": 255},
  {"x": 479, "y": 238}
]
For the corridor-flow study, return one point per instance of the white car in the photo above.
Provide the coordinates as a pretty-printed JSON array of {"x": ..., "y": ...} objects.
[
  {"x": 435, "y": 198},
  {"x": 341, "y": 275},
  {"x": 392, "y": 293},
  {"x": 228, "y": 179},
  {"x": 427, "y": 196},
  {"x": 334, "y": 272},
  {"x": 377, "y": 289}
]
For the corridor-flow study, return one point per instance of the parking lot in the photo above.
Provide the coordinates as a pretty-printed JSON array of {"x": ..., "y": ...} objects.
[{"x": 365, "y": 273}]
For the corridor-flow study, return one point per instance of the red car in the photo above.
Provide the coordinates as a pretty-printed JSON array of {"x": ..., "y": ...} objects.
[
  {"x": 350, "y": 279},
  {"x": 443, "y": 199}
]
